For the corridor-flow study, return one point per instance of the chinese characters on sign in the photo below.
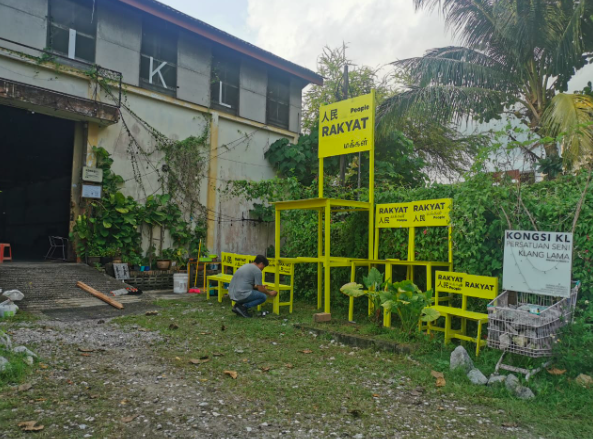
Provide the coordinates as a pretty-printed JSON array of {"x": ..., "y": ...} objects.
[
  {"x": 428, "y": 213},
  {"x": 450, "y": 282},
  {"x": 347, "y": 126},
  {"x": 537, "y": 262}
]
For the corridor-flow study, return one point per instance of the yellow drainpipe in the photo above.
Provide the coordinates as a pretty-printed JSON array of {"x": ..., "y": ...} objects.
[{"x": 212, "y": 178}]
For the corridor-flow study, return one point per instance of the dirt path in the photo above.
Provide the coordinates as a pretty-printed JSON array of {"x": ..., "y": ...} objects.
[{"x": 122, "y": 386}]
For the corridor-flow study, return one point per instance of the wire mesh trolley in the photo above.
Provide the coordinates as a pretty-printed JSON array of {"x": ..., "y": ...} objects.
[{"x": 526, "y": 324}]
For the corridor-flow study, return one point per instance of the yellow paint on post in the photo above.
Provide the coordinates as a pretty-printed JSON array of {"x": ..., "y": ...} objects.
[
  {"x": 427, "y": 213},
  {"x": 347, "y": 126},
  {"x": 92, "y": 140},
  {"x": 212, "y": 178}
]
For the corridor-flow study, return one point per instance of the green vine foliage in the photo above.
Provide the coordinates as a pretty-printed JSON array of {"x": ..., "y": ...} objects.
[
  {"x": 481, "y": 206},
  {"x": 112, "y": 225},
  {"x": 396, "y": 161}
]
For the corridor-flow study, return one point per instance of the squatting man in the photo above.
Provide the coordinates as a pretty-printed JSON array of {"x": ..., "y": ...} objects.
[{"x": 247, "y": 289}]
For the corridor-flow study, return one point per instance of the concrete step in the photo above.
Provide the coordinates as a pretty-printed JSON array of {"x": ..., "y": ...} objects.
[{"x": 50, "y": 285}]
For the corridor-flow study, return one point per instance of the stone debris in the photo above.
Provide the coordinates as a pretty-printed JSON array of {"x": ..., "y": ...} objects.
[
  {"x": 3, "y": 363},
  {"x": 496, "y": 380},
  {"x": 511, "y": 382},
  {"x": 477, "y": 377},
  {"x": 584, "y": 380},
  {"x": 461, "y": 359},
  {"x": 5, "y": 341},
  {"x": 524, "y": 392},
  {"x": 514, "y": 386},
  {"x": 24, "y": 350}
]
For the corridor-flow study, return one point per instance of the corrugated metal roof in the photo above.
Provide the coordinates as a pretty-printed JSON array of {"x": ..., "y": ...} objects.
[{"x": 174, "y": 16}]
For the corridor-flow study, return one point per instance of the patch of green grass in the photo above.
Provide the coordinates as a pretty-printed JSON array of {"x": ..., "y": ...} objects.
[
  {"x": 267, "y": 355},
  {"x": 15, "y": 371}
]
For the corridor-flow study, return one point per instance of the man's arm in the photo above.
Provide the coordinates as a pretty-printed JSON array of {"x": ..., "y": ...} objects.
[{"x": 263, "y": 289}]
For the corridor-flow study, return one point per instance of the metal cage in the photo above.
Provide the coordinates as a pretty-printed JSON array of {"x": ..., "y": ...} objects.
[{"x": 528, "y": 325}]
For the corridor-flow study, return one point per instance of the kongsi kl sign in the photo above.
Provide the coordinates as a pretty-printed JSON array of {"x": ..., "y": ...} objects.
[
  {"x": 537, "y": 262},
  {"x": 427, "y": 213},
  {"x": 347, "y": 126}
]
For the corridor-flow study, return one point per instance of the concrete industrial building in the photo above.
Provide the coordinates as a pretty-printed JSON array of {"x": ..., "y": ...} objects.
[{"x": 179, "y": 76}]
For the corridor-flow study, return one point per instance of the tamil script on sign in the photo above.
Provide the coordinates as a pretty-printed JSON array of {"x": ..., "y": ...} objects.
[
  {"x": 427, "y": 213},
  {"x": 538, "y": 262},
  {"x": 347, "y": 126}
]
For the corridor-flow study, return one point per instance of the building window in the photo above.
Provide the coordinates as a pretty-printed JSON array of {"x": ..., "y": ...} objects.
[
  {"x": 158, "y": 57},
  {"x": 224, "y": 94},
  {"x": 278, "y": 101},
  {"x": 72, "y": 28}
]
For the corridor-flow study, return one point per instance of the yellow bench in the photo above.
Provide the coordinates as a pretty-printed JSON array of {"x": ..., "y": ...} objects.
[
  {"x": 465, "y": 285},
  {"x": 224, "y": 277},
  {"x": 284, "y": 269}
]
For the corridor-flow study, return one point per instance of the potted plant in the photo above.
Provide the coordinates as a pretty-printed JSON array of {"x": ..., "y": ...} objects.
[{"x": 164, "y": 262}]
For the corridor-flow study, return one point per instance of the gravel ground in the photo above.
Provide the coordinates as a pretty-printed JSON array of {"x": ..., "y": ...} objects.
[{"x": 99, "y": 380}]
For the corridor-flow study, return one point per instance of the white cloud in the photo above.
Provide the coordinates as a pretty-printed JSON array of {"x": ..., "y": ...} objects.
[{"x": 376, "y": 31}]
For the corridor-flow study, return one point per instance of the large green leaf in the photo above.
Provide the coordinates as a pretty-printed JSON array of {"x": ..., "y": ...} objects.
[
  {"x": 388, "y": 305},
  {"x": 429, "y": 315},
  {"x": 107, "y": 224},
  {"x": 352, "y": 289},
  {"x": 374, "y": 279}
]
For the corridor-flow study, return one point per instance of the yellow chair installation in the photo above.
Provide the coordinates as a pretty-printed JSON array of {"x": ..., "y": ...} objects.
[
  {"x": 286, "y": 270},
  {"x": 465, "y": 285},
  {"x": 345, "y": 127},
  {"x": 227, "y": 265},
  {"x": 425, "y": 213}
]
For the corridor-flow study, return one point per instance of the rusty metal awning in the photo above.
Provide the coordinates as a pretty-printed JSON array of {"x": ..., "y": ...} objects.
[{"x": 53, "y": 103}]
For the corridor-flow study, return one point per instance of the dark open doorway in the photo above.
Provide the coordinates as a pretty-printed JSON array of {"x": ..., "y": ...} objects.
[{"x": 35, "y": 178}]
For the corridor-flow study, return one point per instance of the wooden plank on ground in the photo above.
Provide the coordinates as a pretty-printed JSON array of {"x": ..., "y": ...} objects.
[{"x": 100, "y": 295}]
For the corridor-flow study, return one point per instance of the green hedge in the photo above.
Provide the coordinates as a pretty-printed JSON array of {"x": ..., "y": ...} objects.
[{"x": 482, "y": 210}]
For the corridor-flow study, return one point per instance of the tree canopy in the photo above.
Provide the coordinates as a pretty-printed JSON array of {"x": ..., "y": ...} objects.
[{"x": 516, "y": 57}]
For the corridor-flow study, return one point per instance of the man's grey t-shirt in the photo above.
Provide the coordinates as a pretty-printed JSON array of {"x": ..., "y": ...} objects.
[{"x": 244, "y": 281}]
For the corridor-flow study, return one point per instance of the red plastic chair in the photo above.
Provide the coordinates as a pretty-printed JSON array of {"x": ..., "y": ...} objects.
[{"x": 3, "y": 248}]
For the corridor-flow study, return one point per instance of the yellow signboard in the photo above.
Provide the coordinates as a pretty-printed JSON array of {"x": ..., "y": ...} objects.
[
  {"x": 427, "y": 213},
  {"x": 475, "y": 286},
  {"x": 347, "y": 126}
]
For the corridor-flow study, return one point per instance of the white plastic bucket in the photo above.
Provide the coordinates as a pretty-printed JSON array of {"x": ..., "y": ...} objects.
[
  {"x": 180, "y": 283},
  {"x": 8, "y": 310}
]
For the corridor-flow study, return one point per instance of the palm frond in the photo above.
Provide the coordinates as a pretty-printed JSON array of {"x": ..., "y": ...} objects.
[
  {"x": 461, "y": 67},
  {"x": 471, "y": 20},
  {"x": 574, "y": 38},
  {"x": 443, "y": 104},
  {"x": 571, "y": 115}
]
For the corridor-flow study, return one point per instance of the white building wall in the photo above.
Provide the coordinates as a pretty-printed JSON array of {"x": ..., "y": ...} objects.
[{"x": 241, "y": 141}]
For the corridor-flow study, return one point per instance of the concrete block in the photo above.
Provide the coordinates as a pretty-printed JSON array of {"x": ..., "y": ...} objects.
[
  {"x": 322, "y": 317},
  {"x": 193, "y": 87},
  {"x": 253, "y": 77},
  {"x": 296, "y": 92},
  {"x": 194, "y": 53},
  {"x": 23, "y": 27},
  {"x": 294, "y": 119},
  {"x": 119, "y": 25},
  {"x": 38, "y": 8},
  {"x": 121, "y": 59},
  {"x": 252, "y": 105}
]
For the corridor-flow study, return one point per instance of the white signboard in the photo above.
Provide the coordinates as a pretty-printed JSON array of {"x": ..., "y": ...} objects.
[
  {"x": 122, "y": 271},
  {"x": 537, "y": 262},
  {"x": 91, "y": 191},
  {"x": 92, "y": 174}
]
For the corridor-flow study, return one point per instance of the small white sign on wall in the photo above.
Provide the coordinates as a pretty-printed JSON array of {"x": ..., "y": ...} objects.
[
  {"x": 91, "y": 191},
  {"x": 537, "y": 262},
  {"x": 92, "y": 174}
]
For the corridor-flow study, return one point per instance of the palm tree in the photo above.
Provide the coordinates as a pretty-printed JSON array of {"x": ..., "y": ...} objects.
[{"x": 516, "y": 56}]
